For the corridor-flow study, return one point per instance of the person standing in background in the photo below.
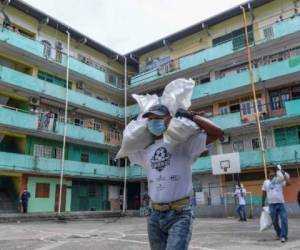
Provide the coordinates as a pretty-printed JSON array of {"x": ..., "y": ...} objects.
[
  {"x": 240, "y": 193},
  {"x": 24, "y": 199}
]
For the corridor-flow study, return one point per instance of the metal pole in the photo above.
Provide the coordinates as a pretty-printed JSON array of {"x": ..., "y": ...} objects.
[
  {"x": 62, "y": 162},
  {"x": 125, "y": 120},
  {"x": 251, "y": 74}
]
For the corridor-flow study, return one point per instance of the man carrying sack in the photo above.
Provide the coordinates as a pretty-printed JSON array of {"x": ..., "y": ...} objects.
[{"x": 169, "y": 174}]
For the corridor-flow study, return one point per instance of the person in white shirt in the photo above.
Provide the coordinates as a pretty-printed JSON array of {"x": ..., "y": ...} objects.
[
  {"x": 240, "y": 193},
  {"x": 169, "y": 174},
  {"x": 273, "y": 190}
]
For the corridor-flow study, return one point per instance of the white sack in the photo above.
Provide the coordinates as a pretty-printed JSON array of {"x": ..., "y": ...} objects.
[
  {"x": 146, "y": 101},
  {"x": 178, "y": 94},
  {"x": 179, "y": 130},
  {"x": 135, "y": 137},
  {"x": 265, "y": 219}
]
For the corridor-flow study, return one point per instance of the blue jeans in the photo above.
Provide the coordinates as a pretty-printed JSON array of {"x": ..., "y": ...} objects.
[
  {"x": 170, "y": 230},
  {"x": 241, "y": 210},
  {"x": 277, "y": 211}
]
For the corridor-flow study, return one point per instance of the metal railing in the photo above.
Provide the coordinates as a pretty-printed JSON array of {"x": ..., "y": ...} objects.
[
  {"x": 57, "y": 55},
  {"x": 46, "y": 121},
  {"x": 259, "y": 35}
]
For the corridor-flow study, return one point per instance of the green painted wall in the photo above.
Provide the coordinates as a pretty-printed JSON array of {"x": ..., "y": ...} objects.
[
  {"x": 95, "y": 155},
  {"x": 73, "y": 152},
  {"x": 287, "y": 136},
  {"x": 89, "y": 195},
  {"x": 41, "y": 141},
  {"x": 46, "y": 204}
]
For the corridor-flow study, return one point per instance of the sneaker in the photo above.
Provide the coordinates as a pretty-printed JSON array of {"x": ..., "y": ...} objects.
[{"x": 283, "y": 240}]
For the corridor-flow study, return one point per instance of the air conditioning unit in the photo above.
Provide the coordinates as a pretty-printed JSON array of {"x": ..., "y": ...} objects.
[
  {"x": 34, "y": 101},
  {"x": 226, "y": 139},
  {"x": 80, "y": 85},
  {"x": 58, "y": 45},
  {"x": 149, "y": 60}
]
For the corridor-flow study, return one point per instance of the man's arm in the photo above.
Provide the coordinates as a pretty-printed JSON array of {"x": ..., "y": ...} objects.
[{"x": 213, "y": 131}]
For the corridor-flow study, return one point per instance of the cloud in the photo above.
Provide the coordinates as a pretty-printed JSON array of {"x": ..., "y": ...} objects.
[{"x": 125, "y": 25}]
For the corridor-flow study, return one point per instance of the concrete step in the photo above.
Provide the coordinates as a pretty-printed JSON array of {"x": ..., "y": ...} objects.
[{"x": 65, "y": 216}]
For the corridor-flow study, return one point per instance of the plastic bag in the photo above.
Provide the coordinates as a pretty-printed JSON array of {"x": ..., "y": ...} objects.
[
  {"x": 265, "y": 219},
  {"x": 145, "y": 101},
  {"x": 135, "y": 137},
  {"x": 179, "y": 130},
  {"x": 178, "y": 94}
]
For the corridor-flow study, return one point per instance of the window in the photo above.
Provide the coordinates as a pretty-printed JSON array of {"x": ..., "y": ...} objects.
[
  {"x": 223, "y": 110},
  {"x": 53, "y": 79},
  {"x": 78, "y": 122},
  {"x": 238, "y": 146},
  {"x": 47, "y": 48},
  {"x": 239, "y": 38},
  {"x": 279, "y": 97},
  {"x": 246, "y": 108},
  {"x": 256, "y": 143},
  {"x": 42, "y": 190},
  {"x": 42, "y": 151},
  {"x": 58, "y": 153},
  {"x": 84, "y": 157},
  {"x": 268, "y": 32}
]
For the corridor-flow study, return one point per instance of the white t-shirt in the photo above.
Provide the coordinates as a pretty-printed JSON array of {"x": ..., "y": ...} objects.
[
  {"x": 169, "y": 168},
  {"x": 241, "y": 193},
  {"x": 274, "y": 190}
]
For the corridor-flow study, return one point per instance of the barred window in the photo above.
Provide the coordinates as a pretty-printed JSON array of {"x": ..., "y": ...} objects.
[
  {"x": 58, "y": 153},
  {"x": 42, "y": 190},
  {"x": 42, "y": 151}
]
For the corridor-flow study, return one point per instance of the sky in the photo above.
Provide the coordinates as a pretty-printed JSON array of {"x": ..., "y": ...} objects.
[{"x": 125, "y": 25}]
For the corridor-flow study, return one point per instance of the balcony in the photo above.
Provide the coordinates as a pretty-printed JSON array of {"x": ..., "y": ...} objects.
[
  {"x": 16, "y": 79},
  {"x": 251, "y": 159},
  {"x": 37, "y": 48},
  {"x": 22, "y": 120},
  {"x": 46, "y": 166},
  {"x": 38, "y": 165},
  {"x": 240, "y": 80},
  {"x": 276, "y": 30}
]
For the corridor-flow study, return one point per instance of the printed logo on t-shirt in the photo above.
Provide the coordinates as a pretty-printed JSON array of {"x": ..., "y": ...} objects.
[{"x": 160, "y": 159}]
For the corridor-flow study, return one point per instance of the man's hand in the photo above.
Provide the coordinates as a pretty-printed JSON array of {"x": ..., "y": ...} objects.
[{"x": 185, "y": 113}]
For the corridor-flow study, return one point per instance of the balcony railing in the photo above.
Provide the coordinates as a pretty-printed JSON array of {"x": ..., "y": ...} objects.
[
  {"x": 252, "y": 159},
  {"x": 25, "y": 163},
  {"x": 240, "y": 80},
  {"x": 47, "y": 166},
  {"x": 263, "y": 34},
  {"x": 45, "y": 123},
  {"x": 20, "y": 80},
  {"x": 85, "y": 67}
]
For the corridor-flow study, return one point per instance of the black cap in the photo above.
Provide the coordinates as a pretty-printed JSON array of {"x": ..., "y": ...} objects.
[{"x": 159, "y": 109}]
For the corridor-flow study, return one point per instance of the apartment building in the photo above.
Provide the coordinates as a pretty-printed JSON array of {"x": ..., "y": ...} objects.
[{"x": 213, "y": 52}]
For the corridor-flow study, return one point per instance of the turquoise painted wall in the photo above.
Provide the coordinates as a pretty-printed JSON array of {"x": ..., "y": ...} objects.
[
  {"x": 287, "y": 136},
  {"x": 46, "y": 204},
  {"x": 42, "y": 141},
  {"x": 95, "y": 155},
  {"x": 89, "y": 195}
]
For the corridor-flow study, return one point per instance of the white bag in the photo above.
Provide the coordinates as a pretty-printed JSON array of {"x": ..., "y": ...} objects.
[
  {"x": 265, "y": 219},
  {"x": 179, "y": 130},
  {"x": 146, "y": 101},
  {"x": 178, "y": 94},
  {"x": 135, "y": 137}
]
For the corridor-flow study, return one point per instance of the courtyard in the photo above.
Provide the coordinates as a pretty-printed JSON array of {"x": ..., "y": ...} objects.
[{"x": 130, "y": 233}]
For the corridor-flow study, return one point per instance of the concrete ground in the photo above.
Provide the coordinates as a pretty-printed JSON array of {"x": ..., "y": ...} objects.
[{"x": 130, "y": 233}]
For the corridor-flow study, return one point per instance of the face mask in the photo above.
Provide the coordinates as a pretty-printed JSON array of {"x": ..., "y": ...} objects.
[{"x": 156, "y": 126}]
